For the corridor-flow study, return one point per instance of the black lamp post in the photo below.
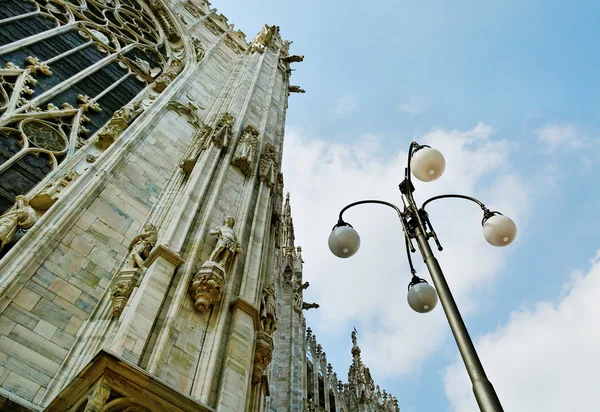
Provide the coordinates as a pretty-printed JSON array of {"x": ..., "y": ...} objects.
[{"x": 427, "y": 164}]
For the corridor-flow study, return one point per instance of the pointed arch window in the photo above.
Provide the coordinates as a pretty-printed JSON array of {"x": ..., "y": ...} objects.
[{"x": 65, "y": 68}]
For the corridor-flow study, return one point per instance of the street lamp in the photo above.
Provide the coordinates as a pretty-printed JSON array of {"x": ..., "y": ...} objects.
[{"x": 428, "y": 164}]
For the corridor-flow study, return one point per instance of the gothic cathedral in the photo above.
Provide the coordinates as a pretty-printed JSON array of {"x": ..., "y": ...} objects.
[{"x": 147, "y": 256}]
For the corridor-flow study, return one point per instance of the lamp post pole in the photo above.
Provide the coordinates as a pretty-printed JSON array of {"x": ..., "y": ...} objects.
[
  {"x": 484, "y": 391},
  {"x": 498, "y": 230}
]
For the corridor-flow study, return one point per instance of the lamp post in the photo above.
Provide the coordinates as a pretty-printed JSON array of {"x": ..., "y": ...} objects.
[{"x": 428, "y": 164}]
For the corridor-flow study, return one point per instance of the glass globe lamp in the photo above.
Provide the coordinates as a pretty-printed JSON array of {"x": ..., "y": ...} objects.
[
  {"x": 499, "y": 230},
  {"x": 427, "y": 164},
  {"x": 344, "y": 241},
  {"x": 422, "y": 297}
]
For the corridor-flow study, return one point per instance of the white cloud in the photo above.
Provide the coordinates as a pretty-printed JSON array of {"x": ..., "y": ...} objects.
[
  {"x": 413, "y": 106},
  {"x": 546, "y": 358},
  {"x": 369, "y": 289},
  {"x": 345, "y": 105},
  {"x": 556, "y": 136}
]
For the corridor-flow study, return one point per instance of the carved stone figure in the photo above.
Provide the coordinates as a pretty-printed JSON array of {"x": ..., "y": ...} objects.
[
  {"x": 307, "y": 306},
  {"x": 263, "y": 39},
  {"x": 268, "y": 308},
  {"x": 296, "y": 89},
  {"x": 199, "y": 48},
  {"x": 140, "y": 246},
  {"x": 50, "y": 193},
  {"x": 268, "y": 167},
  {"x": 227, "y": 244},
  {"x": 246, "y": 150},
  {"x": 298, "y": 302},
  {"x": 21, "y": 216}
]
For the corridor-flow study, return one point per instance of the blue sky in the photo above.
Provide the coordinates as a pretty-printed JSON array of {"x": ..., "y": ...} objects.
[{"x": 508, "y": 91}]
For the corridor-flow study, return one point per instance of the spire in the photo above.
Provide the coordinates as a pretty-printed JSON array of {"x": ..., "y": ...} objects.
[{"x": 287, "y": 226}]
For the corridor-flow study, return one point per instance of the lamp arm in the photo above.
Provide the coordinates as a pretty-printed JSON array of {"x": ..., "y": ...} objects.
[
  {"x": 472, "y": 199},
  {"x": 380, "y": 202}
]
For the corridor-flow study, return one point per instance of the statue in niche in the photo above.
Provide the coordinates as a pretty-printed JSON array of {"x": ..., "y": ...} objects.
[
  {"x": 222, "y": 131},
  {"x": 227, "y": 244},
  {"x": 246, "y": 149},
  {"x": 268, "y": 315},
  {"x": 140, "y": 247},
  {"x": 21, "y": 216}
]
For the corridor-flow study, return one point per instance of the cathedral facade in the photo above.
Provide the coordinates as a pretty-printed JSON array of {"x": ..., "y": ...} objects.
[{"x": 147, "y": 255}]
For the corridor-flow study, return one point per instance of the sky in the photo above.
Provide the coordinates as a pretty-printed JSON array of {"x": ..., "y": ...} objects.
[{"x": 508, "y": 92}]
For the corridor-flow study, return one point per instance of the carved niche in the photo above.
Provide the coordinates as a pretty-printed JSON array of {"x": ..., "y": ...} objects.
[
  {"x": 246, "y": 150},
  {"x": 118, "y": 123},
  {"x": 269, "y": 167}
]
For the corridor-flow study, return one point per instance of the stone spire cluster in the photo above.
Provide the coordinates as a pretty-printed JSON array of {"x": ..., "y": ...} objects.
[{"x": 361, "y": 390}]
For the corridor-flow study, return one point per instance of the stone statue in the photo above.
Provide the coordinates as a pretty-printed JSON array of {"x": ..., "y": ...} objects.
[
  {"x": 227, "y": 243},
  {"x": 141, "y": 245},
  {"x": 21, "y": 216},
  {"x": 268, "y": 315},
  {"x": 354, "y": 337},
  {"x": 298, "y": 295}
]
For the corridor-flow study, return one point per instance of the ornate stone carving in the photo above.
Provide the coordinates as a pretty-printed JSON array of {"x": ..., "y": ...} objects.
[
  {"x": 122, "y": 288},
  {"x": 87, "y": 104},
  {"x": 118, "y": 123},
  {"x": 192, "y": 8},
  {"x": 199, "y": 48},
  {"x": 246, "y": 150},
  {"x": 296, "y": 89},
  {"x": 190, "y": 157},
  {"x": 168, "y": 75},
  {"x": 99, "y": 395},
  {"x": 278, "y": 201},
  {"x": 268, "y": 308},
  {"x": 164, "y": 18},
  {"x": 50, "y": 193},
  {"x": 307, "y": 306},
  {"x": 263, "y": 39},
  {"x": 207, "y": 286},
  {"x": 141, "y": 246},
  {"x": 268, "y": 167},
  {"x": 222, "y": 131},
  {"x": 292, "y": 59},
  {"x": 35, "y": 65},
  {"x": 20, "y": 216},
  {"x": 227, "y": 244},
  {"x": 262, "y": 355}
]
